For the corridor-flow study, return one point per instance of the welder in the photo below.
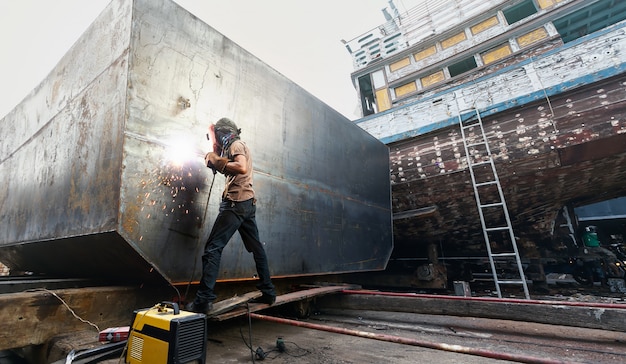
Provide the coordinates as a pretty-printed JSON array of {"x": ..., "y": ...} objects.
[{"x": 237, "y": 210}]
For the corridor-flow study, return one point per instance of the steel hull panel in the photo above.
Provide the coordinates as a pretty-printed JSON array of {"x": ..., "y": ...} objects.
[
  {"x": 65, "y": 180},
  {"x": 309, "y": 192},
  {"x": 61, "y": 146},
  {"x": 322, "y": 183}
]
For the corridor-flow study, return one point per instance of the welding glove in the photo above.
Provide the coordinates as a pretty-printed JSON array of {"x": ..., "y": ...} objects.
[
  {"x": 216, "y": 162},
  {"x": 208, "y": 163}
]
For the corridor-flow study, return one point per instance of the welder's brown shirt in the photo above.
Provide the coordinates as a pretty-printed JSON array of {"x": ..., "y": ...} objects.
[{"x": 239, "y": 186}]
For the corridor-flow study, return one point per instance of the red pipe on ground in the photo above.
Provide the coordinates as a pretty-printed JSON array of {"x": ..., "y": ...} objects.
[
  {"x": 488, "y": 299},
  {"x": 413, "y": 342}
]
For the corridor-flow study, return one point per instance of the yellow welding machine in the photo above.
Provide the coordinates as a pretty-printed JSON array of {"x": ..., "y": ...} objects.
[{"x": 165, "y": 334}]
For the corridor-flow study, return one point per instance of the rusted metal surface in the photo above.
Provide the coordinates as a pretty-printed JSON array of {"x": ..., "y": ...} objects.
[{"x": 97, "y": 188}]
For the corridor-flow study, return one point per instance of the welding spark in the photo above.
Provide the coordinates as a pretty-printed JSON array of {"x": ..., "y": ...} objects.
[{"x": 179, "y": 152}]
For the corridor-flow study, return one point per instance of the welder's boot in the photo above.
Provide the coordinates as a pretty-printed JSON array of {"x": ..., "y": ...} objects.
[
  {"x": 265, "y": 298},
  {"x": 199, "y": 307}
]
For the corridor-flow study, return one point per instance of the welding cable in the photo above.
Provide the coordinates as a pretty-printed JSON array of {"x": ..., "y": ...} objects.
[
  {"x": 177, "y": 292},
  {"x": 244, "y": 339},
  {"x": 132, "y": 329},
  {"x": 259, "y": 353},
  {"x": 249, "y": 346},
  {"x": 250, "y": 331},
  {"x": 198, "y": 243},
  {"x": 66, "y": 306},
  {"x": 284, "y": 349},
  {"x": 408, "y": 341}
]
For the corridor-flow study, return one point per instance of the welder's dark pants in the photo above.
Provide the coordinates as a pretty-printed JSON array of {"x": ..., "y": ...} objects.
[{"x": 233, "y": 216}]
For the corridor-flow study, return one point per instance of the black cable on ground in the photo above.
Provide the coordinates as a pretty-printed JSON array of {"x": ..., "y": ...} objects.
[
  {"x": 281, "y": 345},
  {"x": 195, "y": 263},
  {"x": 250, "y": 331},
  {"x": 258, "y": 353}
]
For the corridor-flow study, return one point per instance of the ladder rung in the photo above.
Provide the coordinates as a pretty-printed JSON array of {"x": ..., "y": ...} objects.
[
  {"x": 475, "y": 144},
  {"x": 480, "y": 163},
  {"x": 471, "y": 142},
  {"x": 486, "y": 183},
  {"x": 499, "y": 228},
  {"x": 466, "y": 124},
  {"x": 511, "y": 281},
  {"x": 503, "y": 255},
  {"x": 492, "y": 205}
]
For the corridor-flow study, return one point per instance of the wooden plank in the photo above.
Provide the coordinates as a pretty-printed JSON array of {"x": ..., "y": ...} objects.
[
  {"x": 551, "y": 312},
  {"x": 281, "y": 300},
  {"x": 230, "y": 303},
  {"x": 34, "y": 317}
]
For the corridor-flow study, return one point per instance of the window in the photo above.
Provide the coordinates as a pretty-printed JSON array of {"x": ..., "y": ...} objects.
[
  {"x": 484, "y": 25},
  {"x": 374, "y": 93},
  {"x": 544, "y": 4},
  {"x": 456, "y": 39},
  {"x": 462, "y": 66},
  {"x": 532, "y": 37},
  {"x": 520, "y": 11},
  {"x": 432, "y": 78},
  {"x": 378, "y": 77},
  {"x": 496, "y": 54},
  {"x": 594, "y": 17},
  {"x": 399, "y": 64},
  {"x": 405, "y": 89},
  {"x": 368, "y": 104},
  {"x": 425, "y": 53}
]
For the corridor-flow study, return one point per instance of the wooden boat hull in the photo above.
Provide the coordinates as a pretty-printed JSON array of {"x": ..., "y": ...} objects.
[{"x": 578, "y": 158}]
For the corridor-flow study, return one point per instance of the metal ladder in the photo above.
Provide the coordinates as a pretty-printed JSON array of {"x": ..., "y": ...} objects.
[{"x": 492, "y": 209}]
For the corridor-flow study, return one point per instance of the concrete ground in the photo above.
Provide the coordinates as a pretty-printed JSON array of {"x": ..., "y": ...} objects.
[
  {"x": 255, "y": 340},
  {"x": 243, "y": 340},
  {"x": 230, "y": 342}
]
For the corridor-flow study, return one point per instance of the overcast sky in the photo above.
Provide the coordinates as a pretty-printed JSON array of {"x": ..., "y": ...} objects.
[{"x": 299, "y": 38}]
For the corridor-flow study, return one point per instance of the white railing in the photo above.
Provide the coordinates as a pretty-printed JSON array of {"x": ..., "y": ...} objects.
[{"x": 413, "y": 26}]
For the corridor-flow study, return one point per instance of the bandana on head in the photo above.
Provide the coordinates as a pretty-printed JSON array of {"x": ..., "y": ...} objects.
[
  {"x": 226, "y": 132},
  {"x": 226, "y": 123}
]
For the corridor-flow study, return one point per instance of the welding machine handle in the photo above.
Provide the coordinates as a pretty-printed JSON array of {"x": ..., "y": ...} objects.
[{"x": 173, "y": 305}]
